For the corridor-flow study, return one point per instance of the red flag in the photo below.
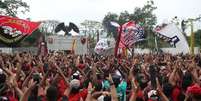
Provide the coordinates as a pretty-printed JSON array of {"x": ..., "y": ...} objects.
[
  {"x": 26, "y": 27},
  {"x": 13, "y": 29}
]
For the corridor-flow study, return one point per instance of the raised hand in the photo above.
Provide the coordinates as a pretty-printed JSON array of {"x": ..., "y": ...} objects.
[
  {"x": 160, "y": 91},
  {"x": 159, "y": 88},
  {"x": 32, "y": 83},
  {"x": 110, "y": 79},
  {"x": 135, "y": 85},
  {"x": 90, "y": 89},
  {"x": 41, "y": 91}
]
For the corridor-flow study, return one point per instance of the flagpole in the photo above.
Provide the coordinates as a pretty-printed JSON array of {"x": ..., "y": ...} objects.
[
  {"x": 97, "y": 36},
  {"x": 133, "y": 50},
  {"x": 192, "y": 38},
  {"x": 118, "y": 40},
  {"x": 156, "y": 44},
  {"x": 73, "y": 46}
]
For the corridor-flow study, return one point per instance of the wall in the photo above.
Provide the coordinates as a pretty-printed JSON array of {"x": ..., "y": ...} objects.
[
  {"x": 6, "y": 50},
  {"x": 65, "y": 43},
  {"x": 166, "y": 50},
  {"x": 9, "y": 50}
]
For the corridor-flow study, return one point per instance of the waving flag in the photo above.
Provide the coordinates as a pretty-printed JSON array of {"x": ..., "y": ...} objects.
[
  {"x": 131, "y": 33},
  {"x": 102, "y": 46},
  {"x": 171, "y": 34},
  {"x": 128, "y": 34},
  {"x": 13, "y": 29}
]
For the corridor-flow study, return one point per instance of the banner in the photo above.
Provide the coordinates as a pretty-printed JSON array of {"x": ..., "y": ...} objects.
[
  {"x": 13, "y": 30},
  {"x": 130, "y": 34},
  {"x": 101, "y": 46},
  {"x": 171, "y": 34},
  {"x": 73, "y": 46},
  {"x": 42, "y": 46}
]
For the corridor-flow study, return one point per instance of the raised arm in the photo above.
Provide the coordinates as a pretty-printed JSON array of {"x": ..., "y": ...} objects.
[
  {"x": 113, "y": 89},
  {"x": 19, "y": 66},
  {"x": 193, "y": 70},
  {"x": 25, "y": 83},
  {"x": 42, "y": 82},
  {"x": 135, "y": 88},
  {"x": 17, "y": 89},
  {"x": 12, "y": 81},
  {"x": 172, "y": 80},
  {"x": 160, "y": 91},
  {"x": 62, "y": 74},
  {"x": 95, "y": 80},
  {"x": 89, "y": 94},
  {"x": 28, "y": 91}
]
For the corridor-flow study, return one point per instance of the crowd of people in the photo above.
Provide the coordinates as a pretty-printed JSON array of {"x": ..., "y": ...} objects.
[{"x": 70, "y": 77}]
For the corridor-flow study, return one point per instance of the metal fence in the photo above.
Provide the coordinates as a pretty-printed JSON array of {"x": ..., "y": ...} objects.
[{"x": 9, "y": 50}]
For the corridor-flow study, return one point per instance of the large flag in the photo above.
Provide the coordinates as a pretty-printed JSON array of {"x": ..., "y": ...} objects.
[
  {"x": 171, "y": 33},
  {"x": 14, "y": 29},
  {"x": 102, "y": 46},
  {"x": 130, "y": 34}
]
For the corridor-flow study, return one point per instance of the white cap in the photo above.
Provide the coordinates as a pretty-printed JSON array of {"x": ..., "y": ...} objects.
[
  {"x": 152, "y": 92},
  {"x": 117, "y": 73},
  {"x": 76, "y": 73},
  {"x": 1, "y": 71},
  {"x": 163, "y": 67},
  {"x": 101, "y": 98},
  {"x": 75, "y": 83}
]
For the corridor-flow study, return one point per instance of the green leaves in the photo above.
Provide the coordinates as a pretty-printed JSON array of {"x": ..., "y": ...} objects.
[
  {"x": 106, "y": 24},
  {"x": 13, "y": 7}
]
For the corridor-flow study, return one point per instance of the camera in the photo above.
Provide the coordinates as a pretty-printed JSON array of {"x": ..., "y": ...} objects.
[{"x": 36, "y": 77}]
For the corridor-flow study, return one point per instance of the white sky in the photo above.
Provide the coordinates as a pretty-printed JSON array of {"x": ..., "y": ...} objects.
[{"x": 79, "y": 10}]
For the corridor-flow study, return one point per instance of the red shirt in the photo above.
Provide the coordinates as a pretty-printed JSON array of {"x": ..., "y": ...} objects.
[
  {"x": 139, "y": 94},
  {"x": 81, "y": 66},
  {"x": 11, "y": 98},
  {"x": 62, "y": 87},
  {"x": 76, "y": 97},
  {"x": 175, "y": 93}
]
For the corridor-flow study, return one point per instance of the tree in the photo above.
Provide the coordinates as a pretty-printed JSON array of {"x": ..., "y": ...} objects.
[
  {"x": 91, "y": 27},
  {"x": 48, "y": 26},
  {"x": 197, "y": 40},
  {"x": 13, "y": 7},
  {"x": 123, "y": 17},
  {"x": 146, "y": 18},
  {"x": 107, "y": 26}
]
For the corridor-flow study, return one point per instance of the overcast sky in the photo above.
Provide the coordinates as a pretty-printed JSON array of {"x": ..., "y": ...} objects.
[{"x": 78, "y": 10}]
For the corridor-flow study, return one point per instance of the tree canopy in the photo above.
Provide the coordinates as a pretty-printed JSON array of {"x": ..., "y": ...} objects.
[
  {"x": 197, "y": 38},
  {"x": 13, "y": 7}
]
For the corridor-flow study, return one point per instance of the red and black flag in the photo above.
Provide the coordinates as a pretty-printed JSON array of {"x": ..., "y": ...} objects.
[{"x": 13, "y": 30}]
